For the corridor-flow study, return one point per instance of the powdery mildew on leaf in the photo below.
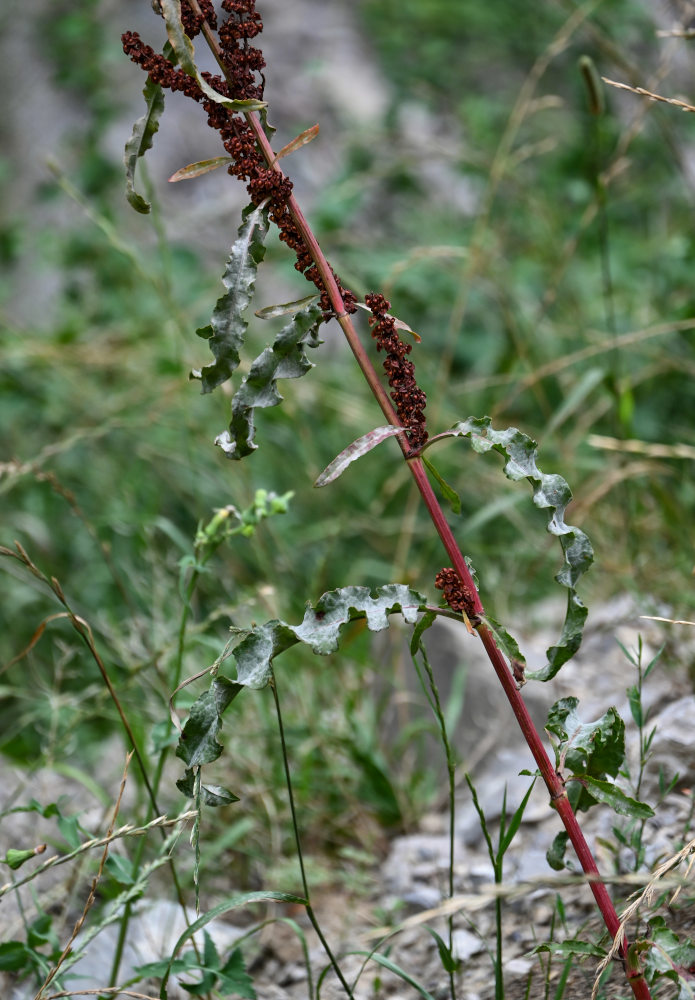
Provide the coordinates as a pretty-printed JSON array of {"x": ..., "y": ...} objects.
[
  {"x": 550, "y": 492},
  {"x": 285, "y": 359},
  {"x": 227, "y": 328}
]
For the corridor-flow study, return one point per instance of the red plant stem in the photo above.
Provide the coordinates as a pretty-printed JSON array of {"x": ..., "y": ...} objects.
[{"x": 553, "y": 781}]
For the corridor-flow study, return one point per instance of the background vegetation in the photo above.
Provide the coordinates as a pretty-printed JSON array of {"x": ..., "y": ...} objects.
[{"x": 530, "y": 244}]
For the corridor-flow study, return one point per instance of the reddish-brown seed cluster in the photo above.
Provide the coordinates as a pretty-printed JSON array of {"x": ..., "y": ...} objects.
[
  {"x": 409, "y": 399},
  {"x": 242, "y": 62},
  {"x": 457, "y": 595},
  {"x": 193, "y": 22}
]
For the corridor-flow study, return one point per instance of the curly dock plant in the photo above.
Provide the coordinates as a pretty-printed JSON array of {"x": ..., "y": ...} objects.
[{"x": 587, "y": 755}]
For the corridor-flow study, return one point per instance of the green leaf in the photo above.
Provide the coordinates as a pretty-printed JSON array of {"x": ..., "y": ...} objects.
[
  {"x": 227, "y": 326},
  {"x": 140, "y": 141},
  {"x": 356, "y": 450},
  {"x": 234, "y": 902},
  {"x": 397, "y": 970},
  {"x": 234, "y": 980},
  {"x": 449, "y": 963},
  {"x": 633, "y": 697},
  {"x": 611, "y": 795},
  {"x": 193, "y": 170},
  {"x": 448, "y": 492},
  {"x": 425, "y": 622},
  {"x": 595, "y": 748},
  {"x": 285, "y": 308},
  {"x": 216, "y": 795},
  {"x": 320, "y": 630},
  {"x": 508, "y": 836},
  {"x": 552, "y": 493},
  {"x": 285, "y": 359},
  {"x": 555, "y": 854},
  {"x": 572, "y": 947},
  {"x": 71, "y": 830},
  {"x": 509, "y": 646},
  {"x": 185, "y": 53},
  {"x": 198, "y": 744},
  {"x": 120, "y": 869},
  {"x": 14, "y": 955}
]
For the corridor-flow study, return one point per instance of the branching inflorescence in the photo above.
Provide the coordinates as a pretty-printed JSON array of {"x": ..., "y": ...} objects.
[
  {"x": 242, "y": 63},
  {"x": 253, "y": 161}
]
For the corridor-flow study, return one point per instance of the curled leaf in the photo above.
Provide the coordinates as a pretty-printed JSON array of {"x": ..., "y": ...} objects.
[
  {"x": 140, "y": 141},
  {"x": 227, "y": 327},
  {"x": 354, "y": 451},
  {"x": 193, "y": 170},
  {"x": 552, "y": 493},
  {"x": 254, "y": 655},
  {"x": 285, "y": 359}
]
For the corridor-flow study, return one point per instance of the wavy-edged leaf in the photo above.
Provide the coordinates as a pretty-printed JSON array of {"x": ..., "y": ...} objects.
[
  {"x": 227, "y": 327},
  {"x": 185, "y": 53},
  {"x": 192, "y": 170},
  {"x": 552, "y": 493},
  {"x": 320, "y": 629},
  {"x": 595, "y": 748},
  {"x": 254, "y": 655},
  {"x": 233, "y": 903},
  {"x": 285, "y": 308},
  {"x": 299, "y": 140},
  {"x": 140, "y": 141},
  {"x": 285, "y": 359},
  {"x": 354, "y": 451}
]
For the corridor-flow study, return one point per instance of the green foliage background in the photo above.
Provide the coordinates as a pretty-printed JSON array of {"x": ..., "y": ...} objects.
[{"x": 108, "y": 461}]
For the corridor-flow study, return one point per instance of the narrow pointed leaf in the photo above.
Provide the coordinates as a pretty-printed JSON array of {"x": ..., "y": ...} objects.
[
  {"x": 387, "y": 963},
  {"x": 566, "y": 949},
  {"x": 552, "y": 493},
  {"x": 140, "y": 141},
  {"x": 185, "y": 53},
  {"x": 400, "y": 325},
  {"x": 285, "y": 359},
  {"x": 449, "y": 493},
  {"x": 285, "y": 308},
  {"x": 227, "y": 328},
  {"x": 509, "y": 646},
  {"x": 300, "y": 140},
  {"x": 354, "y": 451},
  {"x": 198, "y": 169},
  {"x": 449, "y": 963}
]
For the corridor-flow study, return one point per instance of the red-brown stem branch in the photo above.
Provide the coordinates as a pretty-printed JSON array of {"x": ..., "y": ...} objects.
[{"x": 552, "y": 780}]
